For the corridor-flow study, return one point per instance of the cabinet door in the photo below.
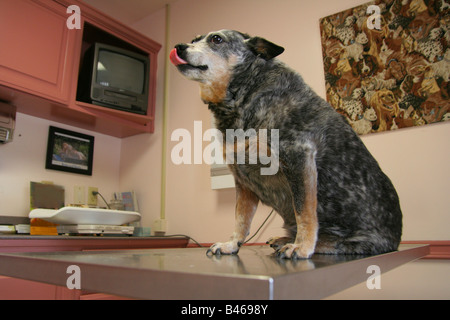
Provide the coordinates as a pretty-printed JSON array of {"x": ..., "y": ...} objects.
[{"x": 37, "y": 48}]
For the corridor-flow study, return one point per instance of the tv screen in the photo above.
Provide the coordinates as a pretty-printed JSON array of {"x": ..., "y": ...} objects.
[
  {"x": 114, "y": 77},
  {"x": 120, "y": 71}
]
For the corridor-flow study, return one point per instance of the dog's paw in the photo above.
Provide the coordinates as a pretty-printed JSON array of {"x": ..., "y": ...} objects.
[
  {"x": 278, "y": 242},
  {"x": 295, "y": 251},
  {"x": 229, "y": 247}
]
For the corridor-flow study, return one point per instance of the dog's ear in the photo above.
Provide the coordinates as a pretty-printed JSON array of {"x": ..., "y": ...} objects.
[{"x": 263, "y": 48}]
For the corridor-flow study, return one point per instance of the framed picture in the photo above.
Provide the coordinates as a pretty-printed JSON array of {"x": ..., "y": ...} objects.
[
  {"x": 387, "y": 64},
  {"x": 69, "y": 151}
]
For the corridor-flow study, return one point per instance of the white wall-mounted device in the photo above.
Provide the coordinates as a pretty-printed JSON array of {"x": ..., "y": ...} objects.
[{"x": 7, "y": 122}]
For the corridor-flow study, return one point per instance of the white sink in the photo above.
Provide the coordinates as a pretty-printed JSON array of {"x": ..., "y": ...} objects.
[{"x": 75, "y": 215}]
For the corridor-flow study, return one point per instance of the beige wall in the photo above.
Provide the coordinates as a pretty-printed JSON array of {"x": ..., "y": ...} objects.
[{"x": 415, "y": 158}]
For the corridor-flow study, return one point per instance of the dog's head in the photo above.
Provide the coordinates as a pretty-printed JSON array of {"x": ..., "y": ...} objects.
[
  {"x": 366, "y": 67},
  {"x": 210, "y": 59},
  {"x": 384, "y": 101}
]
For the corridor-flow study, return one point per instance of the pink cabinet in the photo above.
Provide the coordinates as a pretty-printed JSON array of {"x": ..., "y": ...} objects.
[
  {"x": 40, "y": 61},
  {"x": 18, "y": 289},
  {"x": 37, "y": 52}
]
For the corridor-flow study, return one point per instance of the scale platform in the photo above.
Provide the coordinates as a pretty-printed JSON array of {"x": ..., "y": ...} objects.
[
  {"x": 75, "y": 220},
  {"x": 85, "y": 216},
  {"x": 95, "y": 229}
]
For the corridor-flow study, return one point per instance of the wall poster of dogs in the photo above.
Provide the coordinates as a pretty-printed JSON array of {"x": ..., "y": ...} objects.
[{"x": 387, "y": 63}]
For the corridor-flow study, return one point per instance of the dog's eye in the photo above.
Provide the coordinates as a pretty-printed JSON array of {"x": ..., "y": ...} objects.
[{"x": 216, "y": 39}]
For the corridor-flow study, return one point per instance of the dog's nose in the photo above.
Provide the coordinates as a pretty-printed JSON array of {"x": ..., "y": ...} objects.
[{"x": 181, "y": 47}]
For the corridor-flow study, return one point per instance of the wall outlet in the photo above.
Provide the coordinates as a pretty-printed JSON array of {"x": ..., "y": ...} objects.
[
  {"x": 92, "y": 199},
  {"x": 79, "y": 195}
]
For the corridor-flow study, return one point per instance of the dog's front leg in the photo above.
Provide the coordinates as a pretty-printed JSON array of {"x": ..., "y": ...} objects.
[
  {"x": 246, "y": 205},
  {"x": 301, "y": 174}
]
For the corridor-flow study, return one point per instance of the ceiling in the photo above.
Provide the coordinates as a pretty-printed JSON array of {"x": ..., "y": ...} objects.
[{"x": 128, "y": 11}]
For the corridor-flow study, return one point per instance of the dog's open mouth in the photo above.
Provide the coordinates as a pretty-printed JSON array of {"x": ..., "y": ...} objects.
[
  {"x": 183, "y": 64},
  {"x": 388, "y": 107}
]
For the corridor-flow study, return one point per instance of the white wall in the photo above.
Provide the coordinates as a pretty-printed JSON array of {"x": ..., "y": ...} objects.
[{"x": 23, "y": 160}]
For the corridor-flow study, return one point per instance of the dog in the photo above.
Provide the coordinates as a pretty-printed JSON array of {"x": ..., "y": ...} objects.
[
  {"x": 329, "y": 190},
  {"x": 366, "y": 67},
  {"x": 386, "y": 107}
]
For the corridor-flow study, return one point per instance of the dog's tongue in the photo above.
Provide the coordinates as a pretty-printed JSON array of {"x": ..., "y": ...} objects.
[{"x": 175, "y": 59}]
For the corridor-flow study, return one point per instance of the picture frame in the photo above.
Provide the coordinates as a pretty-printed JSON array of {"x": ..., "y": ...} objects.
[{"x": 69, "y": 151}]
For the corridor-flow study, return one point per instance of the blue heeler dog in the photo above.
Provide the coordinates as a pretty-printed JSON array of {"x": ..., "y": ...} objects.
[{"x": 329, "y": 190}]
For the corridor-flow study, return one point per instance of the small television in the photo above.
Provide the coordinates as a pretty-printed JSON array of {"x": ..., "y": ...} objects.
[{"x": 115, "y": 78}]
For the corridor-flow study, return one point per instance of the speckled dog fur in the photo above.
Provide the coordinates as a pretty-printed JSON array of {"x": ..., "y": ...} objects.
[{"x": 329, "y": 190}]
